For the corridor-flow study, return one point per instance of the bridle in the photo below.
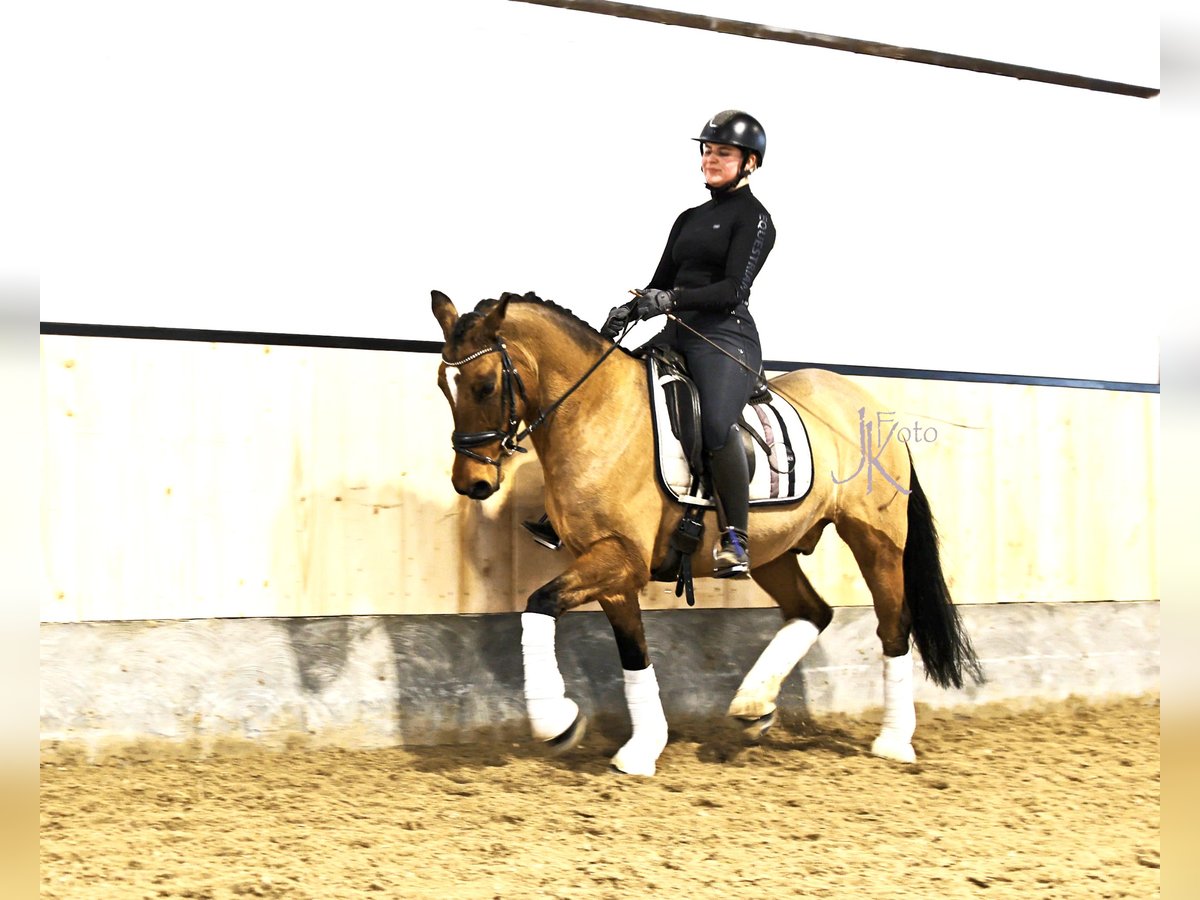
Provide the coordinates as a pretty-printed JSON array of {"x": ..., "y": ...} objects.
[{"x": 511, "y": 386}]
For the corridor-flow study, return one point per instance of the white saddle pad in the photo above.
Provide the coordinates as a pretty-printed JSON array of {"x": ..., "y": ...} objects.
[{"x": 775, "y": 482}]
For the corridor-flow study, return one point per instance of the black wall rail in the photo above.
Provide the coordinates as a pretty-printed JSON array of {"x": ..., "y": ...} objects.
[{"x": 395, "y": 345}]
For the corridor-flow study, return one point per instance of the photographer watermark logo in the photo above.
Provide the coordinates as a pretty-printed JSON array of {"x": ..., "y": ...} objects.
[{"x": 871, "y": 431}]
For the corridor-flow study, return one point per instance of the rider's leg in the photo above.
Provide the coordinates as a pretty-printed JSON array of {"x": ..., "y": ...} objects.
[
  {"x": 731, "y": 483},
  {"x": 725, "y": 383}
]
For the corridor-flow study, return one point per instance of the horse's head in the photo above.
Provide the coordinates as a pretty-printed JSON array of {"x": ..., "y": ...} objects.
[{"x": 484, "y": 391}]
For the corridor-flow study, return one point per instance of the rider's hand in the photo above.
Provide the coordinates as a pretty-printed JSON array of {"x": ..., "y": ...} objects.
[
  {"x": 653, "y": 302},
  {"x": 618, "y": 318}
]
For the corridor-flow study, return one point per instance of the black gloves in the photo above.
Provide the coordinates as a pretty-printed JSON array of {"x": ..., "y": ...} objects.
[
  {"x": 646, "y": 305},
  {"x": 652, "y": 302},
  {"x": 618, "y": 318}
]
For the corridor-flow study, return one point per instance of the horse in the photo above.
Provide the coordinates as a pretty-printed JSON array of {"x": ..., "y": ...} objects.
[{"x": 583, "y": 400}]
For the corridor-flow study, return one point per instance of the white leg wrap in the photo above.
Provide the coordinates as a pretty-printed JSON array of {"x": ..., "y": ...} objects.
[
  {"x": 760, "y": 688},
  {"x": 899, "y": 713},
  {"x": 550, "y": 712},
  {"x": 640, "y": 754}
]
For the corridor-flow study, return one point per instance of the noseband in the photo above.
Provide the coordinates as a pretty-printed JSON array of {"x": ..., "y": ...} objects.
[
  {"x": 510, "y": 386},
  {"x": 510, "y": 439}
]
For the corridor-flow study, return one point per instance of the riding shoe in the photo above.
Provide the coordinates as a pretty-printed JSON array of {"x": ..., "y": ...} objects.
[
  {"x": 543, "y": 532},
  {"x": 732, "y": 556}
]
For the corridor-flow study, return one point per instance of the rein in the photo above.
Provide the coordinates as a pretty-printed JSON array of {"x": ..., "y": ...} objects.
[{"x": 510, "y": 438}]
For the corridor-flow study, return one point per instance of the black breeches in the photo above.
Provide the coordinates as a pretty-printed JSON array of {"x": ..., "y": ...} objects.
[{"x": 725, "y": 387}]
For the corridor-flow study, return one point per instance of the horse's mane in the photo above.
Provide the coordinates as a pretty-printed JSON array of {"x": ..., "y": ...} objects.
[{"x": 574, "y": 325}]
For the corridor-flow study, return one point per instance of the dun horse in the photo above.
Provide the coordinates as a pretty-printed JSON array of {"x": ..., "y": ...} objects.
[{"x": 521, "y": 359}]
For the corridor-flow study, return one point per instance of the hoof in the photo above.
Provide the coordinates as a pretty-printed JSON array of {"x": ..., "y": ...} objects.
[
  {"x": 746, "y": 707},
  {"x": 635, "y": 761},
  {"x": 755, "y": 729},
  {"x": 569, "y": 739},
  {"x": 640, "y": 756},
  {"x": 888, "y": 747},
  {"x": 624, "y": 767}
]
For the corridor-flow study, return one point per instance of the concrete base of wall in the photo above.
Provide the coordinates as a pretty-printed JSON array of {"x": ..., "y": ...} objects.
[{"x": 414, "y": 680}]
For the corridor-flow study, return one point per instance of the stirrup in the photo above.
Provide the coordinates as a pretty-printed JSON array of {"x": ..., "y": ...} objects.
[
  {"x": 732, "y": 556},
  {"x": 543, "y": 532}
]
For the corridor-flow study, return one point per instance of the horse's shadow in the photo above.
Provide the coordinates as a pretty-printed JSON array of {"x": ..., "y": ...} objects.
[
  {"x": 714, "y": 745},
  {"x": 726, "y": 742},
  {"x": 796, "y": 732}
]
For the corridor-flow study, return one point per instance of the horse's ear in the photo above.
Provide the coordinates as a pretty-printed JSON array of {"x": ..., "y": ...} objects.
[
  {"x": 495, "y": 316},
  {"x": 444, "y": 312}
]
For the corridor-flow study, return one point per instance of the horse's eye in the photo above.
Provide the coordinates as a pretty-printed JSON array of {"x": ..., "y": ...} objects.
[{"x": 484, "y": 390}]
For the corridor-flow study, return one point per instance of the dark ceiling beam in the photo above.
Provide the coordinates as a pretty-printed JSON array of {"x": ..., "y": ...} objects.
[{"x": 850, "y": 45}]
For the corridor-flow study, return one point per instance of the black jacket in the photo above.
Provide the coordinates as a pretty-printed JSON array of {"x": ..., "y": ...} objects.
[{"x": 714, "y": 253}]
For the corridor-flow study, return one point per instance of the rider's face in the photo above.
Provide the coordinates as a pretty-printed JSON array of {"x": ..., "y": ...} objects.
[{"x": 720, "y": 164}]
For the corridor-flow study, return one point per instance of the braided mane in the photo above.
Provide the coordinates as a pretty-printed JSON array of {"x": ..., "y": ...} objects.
[
  {"x": 573, "y": 326},
  {"x": 581, "y": 329}
]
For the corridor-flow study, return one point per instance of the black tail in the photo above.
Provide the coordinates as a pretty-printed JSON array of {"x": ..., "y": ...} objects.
[{"x": 938, "y": 631}]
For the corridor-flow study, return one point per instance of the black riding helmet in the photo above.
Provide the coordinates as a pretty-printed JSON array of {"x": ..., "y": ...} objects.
[{"x": 737, "y": 128}]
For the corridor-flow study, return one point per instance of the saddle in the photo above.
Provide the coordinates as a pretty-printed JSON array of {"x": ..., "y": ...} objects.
[
  {"x": 778, "y": 456},
  {"x": 778, "y": 453}
]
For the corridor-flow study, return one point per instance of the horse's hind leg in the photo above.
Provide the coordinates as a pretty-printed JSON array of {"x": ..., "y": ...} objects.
[
  {"x": 805, "y": 616},
  {"x": 882, "y": 565}
]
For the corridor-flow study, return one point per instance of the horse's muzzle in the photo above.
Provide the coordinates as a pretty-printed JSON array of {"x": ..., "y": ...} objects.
[{"x": 477, "y": 490}]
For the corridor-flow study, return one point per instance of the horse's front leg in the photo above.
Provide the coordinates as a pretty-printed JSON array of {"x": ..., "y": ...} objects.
[
  {"x": 613, "y": 574},
  {"x": 553, "y": 717},
  {"x": 639, "y": 755}
]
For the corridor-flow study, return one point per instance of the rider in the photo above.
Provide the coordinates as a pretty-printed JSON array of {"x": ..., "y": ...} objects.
[{"x": 712, "y": 256}]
